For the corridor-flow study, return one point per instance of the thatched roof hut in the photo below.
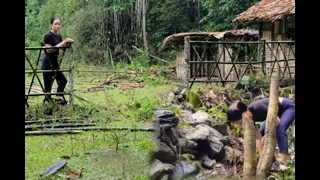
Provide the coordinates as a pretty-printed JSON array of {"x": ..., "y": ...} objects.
[
  {"x": 277, "y": 23},
  {"x": 210, "y": 54},
  {"x": 178, "y": 39},
  {"x": 267, "y": 10}
]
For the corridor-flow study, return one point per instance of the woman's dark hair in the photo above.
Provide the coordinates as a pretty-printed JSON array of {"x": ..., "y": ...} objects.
[
  {"x": 235, "y": 111},
  {"x": 53, "y": 19}
]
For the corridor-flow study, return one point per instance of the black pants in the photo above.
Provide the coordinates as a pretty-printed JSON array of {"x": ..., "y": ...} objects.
[{"x": 48, "y": 77}]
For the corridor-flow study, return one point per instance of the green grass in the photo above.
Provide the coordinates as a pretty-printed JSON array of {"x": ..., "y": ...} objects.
[
  {"x": 109, "y": 108},
  {"x": 101, "y": 161}
]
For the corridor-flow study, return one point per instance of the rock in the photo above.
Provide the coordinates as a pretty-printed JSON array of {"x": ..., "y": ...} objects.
[
  {"x": 184, "y": 170},
  {"x": 165, "y": 154},
  {"x": 200, "y": 117},
  {"x": 166, "y": 118},
  {"x": 183, "y": 92},
  {"x": 177, "y": 90},
  {"x": 169, "y": 135},
  {"x": 158, "y": 169},
  {"x": 165, "y": 177},
  {"x": 287, "y": 82},
  {"x": 171, "y": 96},
  {"x": 180, "y": 98},
  {"x": 221, "y": 128},
  {"x": 188, "y": 157},
  {"x": 208, "y": 139},
  {"x": 186, "y": 113},
  {"x": 206, "y": 162},
  {"x": 187, "y": 144},
  {"x": 200, "y": 176}
]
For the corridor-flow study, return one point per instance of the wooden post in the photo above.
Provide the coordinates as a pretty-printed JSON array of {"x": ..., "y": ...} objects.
[
  {"x": 265, "y": 162},
  {"x": 263, "y": 58},
  {"x": 71, "y": 76},
  {"x": 250, "y": 157},
  {"x": 186, "y": 60}
]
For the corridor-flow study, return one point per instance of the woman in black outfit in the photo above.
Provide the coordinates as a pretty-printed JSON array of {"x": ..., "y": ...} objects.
[{"x": 50, "y": 60}]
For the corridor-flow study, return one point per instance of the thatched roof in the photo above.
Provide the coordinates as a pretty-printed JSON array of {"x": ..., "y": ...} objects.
[
  {"x": 267, "y": 10},
  {"x": 204, "y": 36}
]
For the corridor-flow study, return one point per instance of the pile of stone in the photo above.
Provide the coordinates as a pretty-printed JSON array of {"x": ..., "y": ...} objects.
[{"x": 192, "y": 146}]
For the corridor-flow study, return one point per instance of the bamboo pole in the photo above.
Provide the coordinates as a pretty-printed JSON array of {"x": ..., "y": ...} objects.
[
  {"x": 41, "y": 71},
  {"x": 28, "y": 133},
  {"x": 50, "y": 121},
  {"x": 58, "y": 125},
  {"x": 149, "y": 129}
]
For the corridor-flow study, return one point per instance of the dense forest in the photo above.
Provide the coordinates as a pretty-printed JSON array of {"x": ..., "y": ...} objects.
[{"x": 104, "y": 28}]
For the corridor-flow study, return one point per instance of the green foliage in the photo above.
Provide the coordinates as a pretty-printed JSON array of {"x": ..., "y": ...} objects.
[
  {"x": 169, "y": 17},
  {"x": 101, "y": 26},
  {"x": 237, "y": 130},
  {"x": 218, "y": 112},
  {"x": 288, "y": 174},
  {"x": 144, "y": 108},
  {"x": 252, "y": 83},
  {"x": 222, "y": 12},
  {"x": 194, "y": 99}
]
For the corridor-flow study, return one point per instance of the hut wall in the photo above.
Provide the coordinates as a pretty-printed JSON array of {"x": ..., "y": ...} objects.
[
  {"x": 267, "y": 35},
  {"x": 181, "y": 65}
]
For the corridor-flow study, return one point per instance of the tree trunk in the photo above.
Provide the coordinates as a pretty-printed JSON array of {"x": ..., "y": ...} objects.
[
  {"x": 145, "y": 42},
  {"x": 250, "y": 159},
  {"x": 269, "y": 147}
]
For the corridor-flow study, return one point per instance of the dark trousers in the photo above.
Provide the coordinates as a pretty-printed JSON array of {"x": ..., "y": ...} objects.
[
  {"x": 286, "y": 120},
  {"x": 48, "y": 77}
]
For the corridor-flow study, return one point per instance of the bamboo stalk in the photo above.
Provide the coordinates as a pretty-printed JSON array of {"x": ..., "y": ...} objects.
[
  {"x": 41, "y": 94},
  {"x": 50, "y": 121},
  {"x": 41, "y": 71},
  {"x": 150, "y": 129},
  {"x": 28, "y": 133},
  {"x": 58, "y": 125}
]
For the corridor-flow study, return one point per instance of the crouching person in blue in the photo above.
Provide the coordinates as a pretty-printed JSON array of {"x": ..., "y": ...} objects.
[{"x": 258, "y": 110}]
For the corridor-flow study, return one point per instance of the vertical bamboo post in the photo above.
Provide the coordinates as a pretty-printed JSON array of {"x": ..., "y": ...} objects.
[
  {"x": 263, "y": 58},
  {"x": 186, "y": 60},
  {"x": 71, "y": 76}
]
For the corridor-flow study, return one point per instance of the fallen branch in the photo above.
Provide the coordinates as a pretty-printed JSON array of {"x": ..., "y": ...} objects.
[
  {"x": 149, "y": 54},
  {"x": 27, "y": 133}
]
